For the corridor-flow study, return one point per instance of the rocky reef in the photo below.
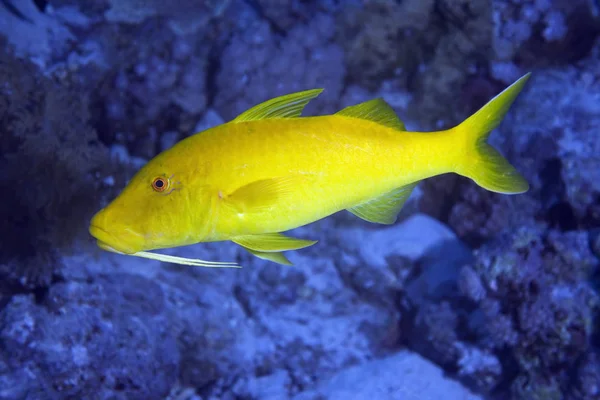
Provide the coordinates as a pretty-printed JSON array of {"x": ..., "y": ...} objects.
[{"x": 470, "y": 295}]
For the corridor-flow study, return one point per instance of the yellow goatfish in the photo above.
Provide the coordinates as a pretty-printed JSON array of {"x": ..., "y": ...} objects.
[{"x": 270, "y": 170}]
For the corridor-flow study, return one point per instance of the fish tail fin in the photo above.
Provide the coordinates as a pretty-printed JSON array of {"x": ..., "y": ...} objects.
[{"x": 481, "y": 162}]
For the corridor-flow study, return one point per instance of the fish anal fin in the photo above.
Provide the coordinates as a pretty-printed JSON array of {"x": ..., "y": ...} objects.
[
  {"x": 287, "y": 106},
  {"x": 261, "y": 194},
  {"x": 271, "y": 242},
  {"x": 376, "y": 110},
  {"x": 384, "y": 209}
]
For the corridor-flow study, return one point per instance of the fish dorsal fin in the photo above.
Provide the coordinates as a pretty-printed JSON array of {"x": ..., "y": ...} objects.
[
  {"x": 271, "y": 242},
  {"x": 376, "y": 110},
  {"x": 288, "y": 106},
  {"x": 384, "y": 209}
]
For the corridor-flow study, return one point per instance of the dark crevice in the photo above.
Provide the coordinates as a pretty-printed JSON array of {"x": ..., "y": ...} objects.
[
  {"x": 40, "y": 292},
  {"x": 553, "y": 187},
  {"x": 510, "y": 372},
  {"x": 255, "y": 5},
  {"x": 553, "y": 195},
  {"x": 575, "y": 45},
  {"x": 11, "y": 8},
  {"x": 592, "y": 217},
  {"x": 243, "y": 301},
  {"x": 101, "y": 121},
  {"x": 41, "y": 5},
  {"x": 213, "y": 66},
  {"x": 562, "y": 216}
]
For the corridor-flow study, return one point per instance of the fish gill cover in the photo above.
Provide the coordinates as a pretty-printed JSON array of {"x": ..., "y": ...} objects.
[{"x": 470, "y": 294}]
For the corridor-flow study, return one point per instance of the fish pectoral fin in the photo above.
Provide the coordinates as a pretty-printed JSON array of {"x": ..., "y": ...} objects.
[
  {"x": 384, "y": 209},
  {"x": 288, "y": 106},
  {"x": 376, "y": 110},
  {"x": 276, "y": 256},
  {"x": 258, "y": 195},
  {"x": 271, "y": 242}
]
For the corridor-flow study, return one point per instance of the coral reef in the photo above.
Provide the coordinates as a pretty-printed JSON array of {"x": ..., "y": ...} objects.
[
  {"x": 306, "y": 58},
  {"x": 53, "y": 169},
  {"x": 557, "y": 154},
  {"x": 70, "y": 344},
  {"x": 32, "y": 33},
  {"x": 432, "y": 47},
  {"x": 155, "y": 88},
  {"x": 541, "y": 33},
  {"x": 380, "y": 379},
  {"x": 284, "y": 327},
  {"x": 283, "y": 15},
  {"x": 184, "y": 17},
  {"x": 530, "y": 310}
]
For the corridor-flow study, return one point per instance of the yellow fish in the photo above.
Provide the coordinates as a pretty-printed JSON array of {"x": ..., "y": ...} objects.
[{"x": 270, "y": 170}]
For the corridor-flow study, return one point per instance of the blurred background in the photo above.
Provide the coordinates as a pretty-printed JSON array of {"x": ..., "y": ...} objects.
[{"x": 470, "y": 295}]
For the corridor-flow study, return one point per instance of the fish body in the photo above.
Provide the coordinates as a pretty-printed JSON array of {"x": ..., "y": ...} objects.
[
  {"x": 330, "y": 163},
  {"x": 270, "y": 170}
]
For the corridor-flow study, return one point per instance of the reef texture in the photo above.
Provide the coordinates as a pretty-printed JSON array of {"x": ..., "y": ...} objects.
[
  {"x": 551, "y": 136},
  {"x": 470, "y": 295},
  {"x": 143, "y": 330},
  {"x": 53, "y": 169}
]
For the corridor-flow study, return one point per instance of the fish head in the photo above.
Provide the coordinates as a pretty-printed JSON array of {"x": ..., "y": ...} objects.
[{"x": 152, "y": 212}]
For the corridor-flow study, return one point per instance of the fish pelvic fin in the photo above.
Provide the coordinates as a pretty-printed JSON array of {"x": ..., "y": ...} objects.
[
  {"x": 276, "y": 257},
  {"x": 481, "y": 162},
  {"x": 271, "y": 242},
  {"x": 270, "y": 246}
]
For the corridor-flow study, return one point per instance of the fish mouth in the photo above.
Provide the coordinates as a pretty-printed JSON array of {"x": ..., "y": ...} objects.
[{"x": 108, "y": 241}]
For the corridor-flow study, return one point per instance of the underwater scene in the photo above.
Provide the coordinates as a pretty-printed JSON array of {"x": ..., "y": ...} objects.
[{"x": 299, "y": 199}]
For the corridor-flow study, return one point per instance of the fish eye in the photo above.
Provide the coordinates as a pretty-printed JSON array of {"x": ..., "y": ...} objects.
[{"x": 160, "y": 184}]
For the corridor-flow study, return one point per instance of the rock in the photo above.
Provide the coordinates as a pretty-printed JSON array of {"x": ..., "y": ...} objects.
[
  {"x": 257, "y": 65},
  {"x": 404, "y": 375},
  {"x": 168, "y": 140},
  {"x": 32, "y": 32},
  {"x": 269, "y": 387},
  {"x": 411, "y": 239},
  {"x": 556, "y": 151},
  {"x": 437, "y": 273},
  {"x": 210, "y": 119},
  {"x": 549, "y": 135},
  {"x": 531, "y": 303},
  {"x": 184, "y": 16},
  {"x": 318, "y": 324},
  {"x": 106, "y": 338},
  {"x": 480, "y": 367}
]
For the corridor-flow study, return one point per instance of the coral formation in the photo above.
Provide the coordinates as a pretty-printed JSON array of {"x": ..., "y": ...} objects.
[
  {"x": 432, "y": 47},
  {"x": 306, "y": 59},
  {"x": 557, "y": 154},
  {"x": 184, "y": 17},
  {"x": 540, "y": 33},
  {"x": 52, "y": 169},
  {"x": 69, "y": 346},
  {"x": 530, "y": 310}
]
